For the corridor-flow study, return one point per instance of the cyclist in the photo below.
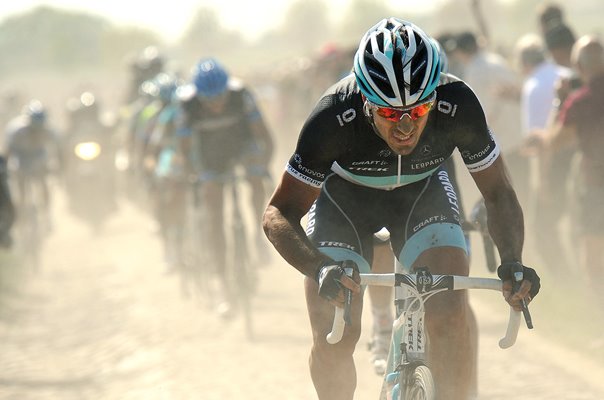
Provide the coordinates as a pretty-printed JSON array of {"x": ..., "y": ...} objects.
[
  {"x": 169, "y": 181},
  {"x": 160, "y": 91},
  {"x": 383, "y": 262},
  {"x": 144, "y": 67},
  {"x": 579, "y": 124},
  {"x": 371, "y": 155},
  {"x": 222, "y": 128},
  {"x": 33, "y": 151}
]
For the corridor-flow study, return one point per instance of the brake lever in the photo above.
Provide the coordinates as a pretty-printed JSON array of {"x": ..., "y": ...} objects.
[
  {"x": 517, "y": 278},
  {"x": 349, "y": 270}
]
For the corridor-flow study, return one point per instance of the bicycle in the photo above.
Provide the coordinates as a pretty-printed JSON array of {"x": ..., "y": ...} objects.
[
  {"x": 407, "y": 375},
  {"x": 192, "y": 270},
  {"x": 241, "y": 276},
  {"x": 242, "y": 271}
]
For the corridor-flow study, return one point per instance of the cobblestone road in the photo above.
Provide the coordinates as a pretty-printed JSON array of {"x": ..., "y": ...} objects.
[{"x": 103, "y": 321}]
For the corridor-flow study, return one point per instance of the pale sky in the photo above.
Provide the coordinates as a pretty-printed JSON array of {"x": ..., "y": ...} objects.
[{"x": 171, "y": 17}]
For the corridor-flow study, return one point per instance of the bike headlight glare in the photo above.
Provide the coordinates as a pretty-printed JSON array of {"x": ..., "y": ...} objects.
[{"x": 87, "y": 151}]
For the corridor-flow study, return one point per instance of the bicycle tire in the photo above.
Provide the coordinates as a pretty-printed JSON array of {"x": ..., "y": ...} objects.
[{"x": 420, "y": 385}]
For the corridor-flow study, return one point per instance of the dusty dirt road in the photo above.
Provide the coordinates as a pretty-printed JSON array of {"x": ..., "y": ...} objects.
[{"x": 103, "y": 321}]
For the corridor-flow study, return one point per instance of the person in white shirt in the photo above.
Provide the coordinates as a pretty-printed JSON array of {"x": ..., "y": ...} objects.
[
  {"x": 492, "y": 79},
  {"x": 538, "y": 90},
  {"x": 537, "y": 101}
]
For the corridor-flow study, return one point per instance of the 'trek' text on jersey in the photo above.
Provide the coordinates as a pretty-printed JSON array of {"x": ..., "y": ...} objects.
[{"x": 338, "y": 138}]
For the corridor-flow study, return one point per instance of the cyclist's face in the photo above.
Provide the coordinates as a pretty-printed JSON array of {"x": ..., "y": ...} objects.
[{"x": 403, "y": 135}]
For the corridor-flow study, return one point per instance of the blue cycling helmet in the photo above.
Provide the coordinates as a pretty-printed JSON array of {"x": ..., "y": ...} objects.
[
  {"x": 210, "y": 78},
  {"x": 396, "y": 64}
]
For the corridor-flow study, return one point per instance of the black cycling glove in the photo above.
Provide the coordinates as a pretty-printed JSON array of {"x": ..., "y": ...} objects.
[
  {"x": 507, "y": 269},
  {"x": 329, "y": 277}
]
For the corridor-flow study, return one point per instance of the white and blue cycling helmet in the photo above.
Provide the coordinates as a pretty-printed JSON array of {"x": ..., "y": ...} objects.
[
  {"x": 210, "y": 78},
  {"x": 397, "y": 64},
  {"x": 443, "y": 58}
]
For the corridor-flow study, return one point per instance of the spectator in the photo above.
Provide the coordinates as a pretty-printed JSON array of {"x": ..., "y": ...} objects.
[
  {"x": 549, "y": 16},
  {"x": 492, "y": 80},
  {"x": 580, "y": 121},
  {"x": 554, "y": 178},
  {"x": 537, "y": 105}
]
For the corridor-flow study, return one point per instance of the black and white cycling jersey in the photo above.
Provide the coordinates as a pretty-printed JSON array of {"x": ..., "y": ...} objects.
[{"x": 338, "y": 138}]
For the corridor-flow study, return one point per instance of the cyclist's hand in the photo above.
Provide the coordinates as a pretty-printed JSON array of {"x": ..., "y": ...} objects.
[
  {"x": 333, "y": 281},
  {"x": 527, "y": 289}
]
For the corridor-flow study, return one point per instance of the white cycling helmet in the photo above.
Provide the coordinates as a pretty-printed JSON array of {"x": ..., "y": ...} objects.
[{"x": 397, "y": 64}]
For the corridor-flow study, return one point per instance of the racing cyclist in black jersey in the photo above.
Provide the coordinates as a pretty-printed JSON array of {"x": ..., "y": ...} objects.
[
  {"x": 383, "y": 262},
  {"x": 371, "y": 155},
  {"x": 33, "y": 153},
  {"x": 222, "y": 129}
]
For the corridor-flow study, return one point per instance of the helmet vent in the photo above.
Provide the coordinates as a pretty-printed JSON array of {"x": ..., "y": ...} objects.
[{"x": 378, "y": 73}]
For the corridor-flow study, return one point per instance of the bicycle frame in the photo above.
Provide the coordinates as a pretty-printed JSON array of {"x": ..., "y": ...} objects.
[{"x": 409, "y": 342}]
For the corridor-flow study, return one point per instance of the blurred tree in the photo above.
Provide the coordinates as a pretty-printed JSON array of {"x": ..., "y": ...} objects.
[
  {"x": 55, "y": 39},
  {"x": 502, "y": 28},
  {"x": 360, "y": 16},
  {"x": 206, "y": 37},
  {"x": 117, "y": 45},
  {"x": 306, "y": 25}
]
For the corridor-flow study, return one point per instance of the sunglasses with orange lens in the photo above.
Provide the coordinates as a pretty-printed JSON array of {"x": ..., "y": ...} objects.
[{"x": 396, "y": 114}]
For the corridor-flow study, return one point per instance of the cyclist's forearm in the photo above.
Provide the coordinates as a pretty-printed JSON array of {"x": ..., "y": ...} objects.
[
  {"x": 290, "y": 240},
  {"x": 506, "y": 225}
]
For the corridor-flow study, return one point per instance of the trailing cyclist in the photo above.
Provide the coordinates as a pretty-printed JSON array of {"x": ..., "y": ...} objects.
[
  {"x": 33, "y": 153},
  {"x": 158, "y": 93},
  {"x": 372, "y": 155},
  {"x": 222, "y": 129},
  {"x": 169, "y": 185}
]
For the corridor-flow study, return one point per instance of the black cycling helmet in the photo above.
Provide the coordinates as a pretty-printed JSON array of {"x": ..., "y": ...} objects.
[{"x": 397, "y": 64}]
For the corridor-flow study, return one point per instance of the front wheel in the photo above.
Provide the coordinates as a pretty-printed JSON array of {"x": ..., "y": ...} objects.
[{"x": 420, "y": 385}]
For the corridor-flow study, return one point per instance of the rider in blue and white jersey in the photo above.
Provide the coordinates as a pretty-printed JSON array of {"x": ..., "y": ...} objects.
[{"x": 371, "y": 155}]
